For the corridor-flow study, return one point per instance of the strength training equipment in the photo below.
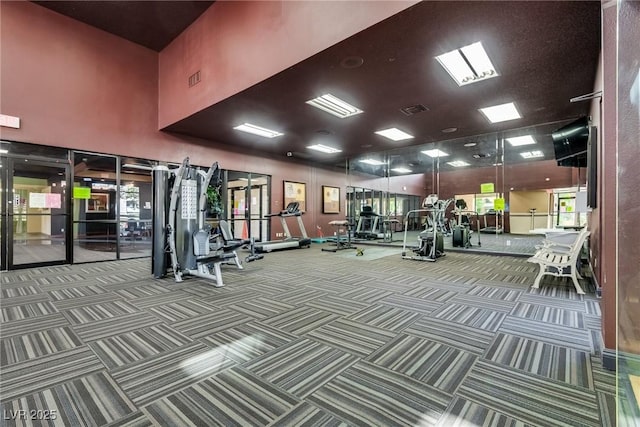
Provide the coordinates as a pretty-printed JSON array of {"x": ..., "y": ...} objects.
[{"x": 431, "y": 240}]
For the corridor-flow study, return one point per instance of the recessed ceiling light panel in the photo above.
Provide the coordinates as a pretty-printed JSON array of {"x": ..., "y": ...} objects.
[
  {"x": 435, "y": 153},
  {"x": 501, "y": 113},
  {"x": 394, "y": 134},
  {"x": 334, "y": 105},
  {"x": 372, "y": 162},
  {"x": 458, "y": 163},
  {"x": 324, "y": 148},
  {"x": 532, "y": 154},
  {"x": 402, "y": 170},
  {"x": 257, "y": 130},
  {"x": 468, "y": 64},
  {"x": 521, "y": 140}
]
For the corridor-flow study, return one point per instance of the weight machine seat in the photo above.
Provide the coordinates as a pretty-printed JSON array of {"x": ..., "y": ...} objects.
[{"x": 230, "y": 243}]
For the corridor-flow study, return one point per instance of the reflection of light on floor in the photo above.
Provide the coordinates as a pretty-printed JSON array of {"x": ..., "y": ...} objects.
[
  {"x": 449, "y": 421},
  {"x": 635, "y": 385},
  {"x": 196, "y": 364}
]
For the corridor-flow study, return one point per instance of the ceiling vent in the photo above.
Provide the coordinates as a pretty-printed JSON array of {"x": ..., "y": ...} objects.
[{"x": 414, "y": 109}]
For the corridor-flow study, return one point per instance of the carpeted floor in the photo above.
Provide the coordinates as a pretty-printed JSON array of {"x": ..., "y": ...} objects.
[{"x": 300, "y": 338}]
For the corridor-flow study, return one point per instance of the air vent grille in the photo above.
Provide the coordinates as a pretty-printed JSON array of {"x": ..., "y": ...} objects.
[
  {"x": 194, "y": 78},
  {"x": 414, "y": 109}
]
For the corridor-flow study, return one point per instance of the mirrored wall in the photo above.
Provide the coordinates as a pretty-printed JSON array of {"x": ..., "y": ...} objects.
[{"x": 508, "y": 186}]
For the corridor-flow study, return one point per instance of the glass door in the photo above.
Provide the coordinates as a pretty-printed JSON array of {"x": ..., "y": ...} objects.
[{"x": 35, "y": 213}]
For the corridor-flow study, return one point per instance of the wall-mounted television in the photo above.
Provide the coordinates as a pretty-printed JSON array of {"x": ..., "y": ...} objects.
[{"x": 570, "y": 143}]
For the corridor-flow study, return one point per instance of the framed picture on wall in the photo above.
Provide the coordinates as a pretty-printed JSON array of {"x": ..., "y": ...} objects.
[
  {"x": 330, "y": 200},
  {"x": 295, "y": 192},
  {"x": 98, "y": 203}
]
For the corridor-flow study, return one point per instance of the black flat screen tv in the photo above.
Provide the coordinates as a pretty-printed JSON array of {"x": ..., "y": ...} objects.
[{"x": 570, "y": 143}]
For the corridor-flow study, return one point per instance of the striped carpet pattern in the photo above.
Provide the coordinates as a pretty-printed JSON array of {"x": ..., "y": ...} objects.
[{"x": 304, "y": 338}]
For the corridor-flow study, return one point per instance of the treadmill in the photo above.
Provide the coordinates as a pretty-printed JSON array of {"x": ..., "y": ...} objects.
[
  {"x": 288, "y": 242},
  {"x": 368, "y": 225},
  {"x": 497, "y": 227}
]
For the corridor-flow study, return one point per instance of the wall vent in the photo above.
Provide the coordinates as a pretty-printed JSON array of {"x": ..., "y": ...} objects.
[
  {"x": 414, "y": 109},
  {"x": 194, "y": 78}
]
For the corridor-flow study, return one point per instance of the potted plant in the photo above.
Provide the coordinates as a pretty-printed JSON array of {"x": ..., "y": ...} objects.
[{"x": 214, "y": 202}]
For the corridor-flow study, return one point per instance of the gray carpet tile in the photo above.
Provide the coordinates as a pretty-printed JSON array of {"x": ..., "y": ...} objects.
[
  {"x": 481, "y": 301},
  {"x": 74, "y": 293},
  {"x": 385, "y": 317},
  {"x": 159, "y": 299},
  {"x": 495, "y": 293},
  {"x": 299, "y": 296},
  {"x": 146, "y": 290},
  {"x": 92, "y": 400},
  {"x": 228, "y": 296},
  {"x": 430, "y": 362},
  {"x": 308, "y": 415},
  {"x": 557, "y": 316},
  {"x": 168, "y": 372},
  {"x": 210, "y": 323},
  {"x": 333, "y": 285},
  {"x": 232, "y": 398},
  {"x": 579, "y": 339},
  {"x": 464, "y": 337},
  {"x": 261, "y": 307},
  {"x": 575, "y": 304},
  {"x": 64, "y": 280},
  {"x": 28, "y": 311},
  {"x": 405, "y": 302},
  {"x": 134, "y": 419},
  {"x": 70, "y": 303},
  {"x": 604, "y": 380},
  {"x": 337, "y": 304},
  {"x": 367, "y": 395},
  {"x": 353, "y": 337},
  {"x": 104, "y": 328},
  {"x": 181, "y": 310},
  {"x": 93, "y": 313},
  {"x": 474, "y": 317},
  {"x": 247, "y": 341},
  {"x": 364, "y": 294},
  {"x": 28, "y": 325},
  {"x": 530, "y": 398},
  {"x": 592, "y": 322},
  {"x": 300, "y": 320},
  {"x": 607, "y": 403},
  {"x": 123, "y": 349},
  {"x": 398, "y": 284},
  {"x": 302, "y": 366},
  {"x": 13, "y": 301},
  {"x": 31, "y": 346},
  {"x": 33, "y": 375},
  {"x": 559, "y": 363},
  {"x": 118, "y": 278},
  {"x": 20, "y": 290},
  {"x": 465, "y": 413},
  {"x": 431, "y": 294},
  {"x": 555, "y": 287},
  {"x": 592, "y": 307}
]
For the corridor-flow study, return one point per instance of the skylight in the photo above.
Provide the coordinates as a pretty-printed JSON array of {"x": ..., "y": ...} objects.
[
  {"x": 324, "y": 148},
  {"x": 458, "y": 163},
  {"x": 468, "y": 64},
  {"x": 394, "y": 134},
  {"x": 401, "y": 170},
  {"x": 532, "y": 154},
  {"x": 521, "y": 140},
  {"x": 372, "y": 162},
  {"x": 435, "y": 153},
  {"x": 334, "y": 105},
  {"x": 501, "y": 113},
  {"x": 257, "y": 130}
]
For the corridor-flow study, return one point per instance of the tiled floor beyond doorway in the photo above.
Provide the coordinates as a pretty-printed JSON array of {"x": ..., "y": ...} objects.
[{"x": 304, "y": 337}]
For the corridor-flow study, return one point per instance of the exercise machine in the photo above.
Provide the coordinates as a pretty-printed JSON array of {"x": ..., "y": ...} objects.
[
  {"x": 496, "y": 228},
  {"x": 368, "y": 226},
  {"x": 461, "y": 231},
  {"x": 182, "y": 239},
  {"x": 343, "y": 236},
  {"x": 431, "y": 240},
  {"x": 288, "y": 242}
]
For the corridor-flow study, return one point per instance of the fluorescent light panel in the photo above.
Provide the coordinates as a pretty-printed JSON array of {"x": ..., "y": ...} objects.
[
  {"x": 394, "y": 134},
  {"x": 521, "y": 140},
  {"x": 458, "y": 163},
  {"x": 532, "y": 154},
  {"x": 435, "y": 153},
  {"x": 501, "y": 113},
  {"x": 372, "y": 162},
  {"x": 334, "y": 105},
  {"x": 402, "y": 170},
  {"x": 468, "y": 64},
  {"x": 257, "y": 130},
  {"x": 3, "y": 151},
  {"x": 324, "y": 148}
]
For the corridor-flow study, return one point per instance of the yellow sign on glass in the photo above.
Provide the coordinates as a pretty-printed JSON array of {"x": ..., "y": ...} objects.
[
  {"x": 498, "y": 204},
  {"x": 81, "y": 192},
  {"x": 487, "y": 187}
]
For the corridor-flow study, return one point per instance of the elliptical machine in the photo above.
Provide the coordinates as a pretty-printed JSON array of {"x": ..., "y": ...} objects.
[{"x": 431, "y": 240}]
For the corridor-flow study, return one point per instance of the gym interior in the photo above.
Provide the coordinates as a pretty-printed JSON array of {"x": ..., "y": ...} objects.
[{"x": 293, "y": 213}]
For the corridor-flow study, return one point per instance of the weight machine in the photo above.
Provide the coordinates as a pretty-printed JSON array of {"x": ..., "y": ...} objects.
[{"x": 181, "y": 237}]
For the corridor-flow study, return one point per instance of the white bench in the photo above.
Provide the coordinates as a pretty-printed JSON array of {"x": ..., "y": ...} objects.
[{"x": 560, "y": 261}]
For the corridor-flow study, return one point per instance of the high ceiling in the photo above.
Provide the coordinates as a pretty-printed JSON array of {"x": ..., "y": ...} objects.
[{"x": 544, "y": 52}]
